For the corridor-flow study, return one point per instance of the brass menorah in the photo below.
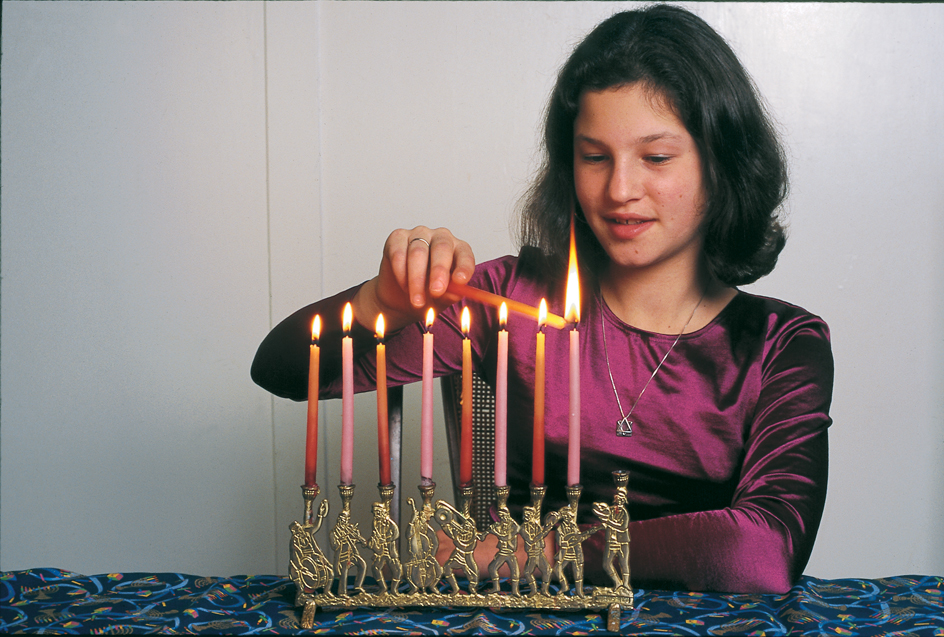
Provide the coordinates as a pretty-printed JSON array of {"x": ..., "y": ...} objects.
[{"x": 324, "y": 583}]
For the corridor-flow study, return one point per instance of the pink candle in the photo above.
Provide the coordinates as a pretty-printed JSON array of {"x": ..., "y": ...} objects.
[
  {"x": 501, "y": 401},
  {"x": 383, "y": 426},
  {"x": 537, "y": 446},
  {"x": 311, "y": 442},
  {"x": 573, "y": 440},
  {"x": 572, "y": 314},
  {"x": 347, "y": 399},
  {"x": 426, "y": 419}
]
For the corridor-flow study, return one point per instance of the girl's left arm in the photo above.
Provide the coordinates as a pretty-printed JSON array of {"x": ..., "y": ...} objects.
[{"x": 762, "y": 542}]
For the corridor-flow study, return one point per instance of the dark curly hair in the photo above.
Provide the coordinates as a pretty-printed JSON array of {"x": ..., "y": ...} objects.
[{"x": 675, "y": 54}]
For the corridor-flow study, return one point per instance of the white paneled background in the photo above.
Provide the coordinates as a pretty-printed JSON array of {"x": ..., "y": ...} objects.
[{"x": 178, "y": 177}]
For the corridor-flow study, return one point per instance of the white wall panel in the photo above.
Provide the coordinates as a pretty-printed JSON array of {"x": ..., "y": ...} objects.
[
  {"x": 134, "y": 288},
  {"x": 294, "y": 178}
]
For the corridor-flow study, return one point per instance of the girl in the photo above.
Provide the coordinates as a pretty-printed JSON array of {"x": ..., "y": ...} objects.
[{"x": 715, "y": 400}]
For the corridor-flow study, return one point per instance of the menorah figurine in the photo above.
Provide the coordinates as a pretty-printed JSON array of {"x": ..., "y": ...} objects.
[
  {"x": 459, "y": 526},
  {"x": 533, "y": 532},
  {"x": 423, "y": 572},
  {"x": 383, "y": 542},
  {"x": 308, "y": 567},
  {"x": 616, "y": 523},
  {"x": 345, "y": 536},
  {"x": 314, "y": 575},
  {"x": 506, "y": 530}
]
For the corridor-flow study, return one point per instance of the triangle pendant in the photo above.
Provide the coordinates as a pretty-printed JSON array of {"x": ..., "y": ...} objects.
[{"x": 624, "y": 427}]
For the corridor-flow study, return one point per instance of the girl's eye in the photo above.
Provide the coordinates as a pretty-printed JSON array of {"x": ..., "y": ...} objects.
[
  {"x": 594, "y": 159},
  {"x": 657, "y": 159}
]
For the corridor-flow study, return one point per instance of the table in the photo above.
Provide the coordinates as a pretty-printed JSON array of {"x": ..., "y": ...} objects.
[{"x": 51, "y": 600}]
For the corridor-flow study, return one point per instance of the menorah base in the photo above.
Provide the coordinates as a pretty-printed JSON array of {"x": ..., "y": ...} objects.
[
  {"x": 612, "y": 601},
  {"x": 422, "y": 576}
]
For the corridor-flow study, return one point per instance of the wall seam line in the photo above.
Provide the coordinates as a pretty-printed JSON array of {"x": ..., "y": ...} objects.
[{"x": 268, "y": 197}]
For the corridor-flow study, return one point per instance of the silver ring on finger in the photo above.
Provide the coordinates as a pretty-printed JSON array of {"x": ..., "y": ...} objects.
[{"x": 420, "y": 239}]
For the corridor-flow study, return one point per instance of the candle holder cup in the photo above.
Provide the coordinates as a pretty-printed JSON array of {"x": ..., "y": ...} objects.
[{"x": 422, "y": 575}]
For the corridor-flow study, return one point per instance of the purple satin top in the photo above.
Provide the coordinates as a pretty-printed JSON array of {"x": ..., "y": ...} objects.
[{"x": 728, "y": 457}]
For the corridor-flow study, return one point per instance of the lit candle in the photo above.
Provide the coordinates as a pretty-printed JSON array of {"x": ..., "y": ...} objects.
[
  {"x": 347, "y": 399},
  {"x": 426, "y": 419},
  {"x": 537, "y": 449},
  {"x": 465, "y": 453},
  {"x": 314, "y": 367},
  {"x": 383, "y": 431},
  {"x": 501, "y": 401},
  {"x": 572, "y": 314}
]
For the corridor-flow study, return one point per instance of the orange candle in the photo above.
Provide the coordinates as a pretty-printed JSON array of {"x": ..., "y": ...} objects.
[
  {"x": 314, "y": 367},
  {"x": 465, "y": 452},
  {"x": 537, "y": 448},
  {"x": 383, "y": 430}
]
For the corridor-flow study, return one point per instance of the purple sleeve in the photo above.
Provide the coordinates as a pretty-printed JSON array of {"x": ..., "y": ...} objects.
[
  {"x": 762, "y": 542},
  {"x": 281, "y": 362}
]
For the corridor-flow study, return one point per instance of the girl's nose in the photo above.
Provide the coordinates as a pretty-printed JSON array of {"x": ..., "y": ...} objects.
[{"x": 625, "y": 184}]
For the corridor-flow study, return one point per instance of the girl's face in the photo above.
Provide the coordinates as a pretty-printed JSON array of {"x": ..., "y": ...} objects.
[{"x": 638, "y": 179}]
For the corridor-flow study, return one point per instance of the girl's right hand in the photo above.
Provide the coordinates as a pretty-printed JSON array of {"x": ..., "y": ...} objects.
[{"x": 415, "y": 270}]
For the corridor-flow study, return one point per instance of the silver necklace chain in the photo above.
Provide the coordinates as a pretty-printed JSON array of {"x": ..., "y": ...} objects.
[{"x": 624, "y": 426}]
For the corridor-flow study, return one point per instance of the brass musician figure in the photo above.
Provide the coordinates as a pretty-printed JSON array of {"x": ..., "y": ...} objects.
[
  {"x": 308, "y": 567},
  {"x": 422, "y": 570},
  {"x": 533, "y": 534},
  {"x": 383, "y": 542},
  {"x": 570, "y": 542},
  {"x": 615, "y": 520},
  {"x": 506, "y": 530},
  {"x": 461, "y": 529},
  {"x": 345, "y": 536}
]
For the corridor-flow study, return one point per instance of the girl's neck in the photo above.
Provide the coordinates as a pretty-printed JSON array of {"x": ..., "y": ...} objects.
[{"x": 664, "y": 302}]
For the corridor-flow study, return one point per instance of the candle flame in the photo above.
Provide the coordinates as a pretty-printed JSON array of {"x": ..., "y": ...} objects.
[
  {"x": 466, "y": 321},
  {"x": 572, "y": 298},
  {"x": 348, "y": 317},
  {"x": 316, "y": 328},
  {"x": 430, "y": 315},
  {"x": 503, "y": 315},
  {"x": 380, "y": 326},
  {"x": 542, "y": 314}
]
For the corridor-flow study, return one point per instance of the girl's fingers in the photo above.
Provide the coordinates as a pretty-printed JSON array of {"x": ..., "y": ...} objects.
[{"x": 418, "y": 253}]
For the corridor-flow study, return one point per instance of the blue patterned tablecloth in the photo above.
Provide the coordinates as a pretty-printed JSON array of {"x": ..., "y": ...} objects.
[{"x": 53, "y": 601}]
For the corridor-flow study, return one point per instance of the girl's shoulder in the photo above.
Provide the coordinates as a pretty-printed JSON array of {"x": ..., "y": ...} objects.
[
  {"x": 770, "y": 327},
  {"x": 746, "y": 309}
]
